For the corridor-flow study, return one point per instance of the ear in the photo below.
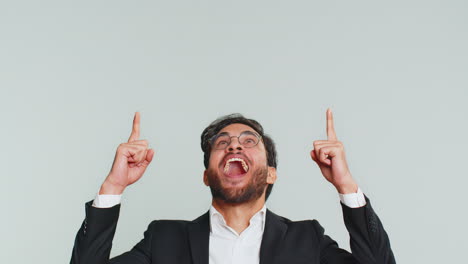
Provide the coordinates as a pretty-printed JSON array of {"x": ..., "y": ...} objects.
[
  {"x": 205, "y": 178},
  {"x": 271, "y": 178}
]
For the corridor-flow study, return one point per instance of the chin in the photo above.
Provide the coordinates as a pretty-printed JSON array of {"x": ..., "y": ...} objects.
[{"x": 237, "y": 189}]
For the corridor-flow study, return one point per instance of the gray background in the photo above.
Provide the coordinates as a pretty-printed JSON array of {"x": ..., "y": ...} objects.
[{"x": 73, "y": 74}]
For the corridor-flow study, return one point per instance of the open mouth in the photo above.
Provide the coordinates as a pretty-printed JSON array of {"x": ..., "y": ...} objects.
[{"x": 235, "y": 167}]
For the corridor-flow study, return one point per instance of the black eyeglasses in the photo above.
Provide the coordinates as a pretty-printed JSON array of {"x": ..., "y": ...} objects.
[{"x": 248, "y": 139}]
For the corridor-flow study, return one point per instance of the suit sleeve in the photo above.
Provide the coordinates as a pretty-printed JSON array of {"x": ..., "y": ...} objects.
[
  {"x": 369, "y": 241},
  {"x": 93, "y": 241}
]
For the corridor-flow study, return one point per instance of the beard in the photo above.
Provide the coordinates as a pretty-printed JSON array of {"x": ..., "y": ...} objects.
[{"x": 254, "y": 189}]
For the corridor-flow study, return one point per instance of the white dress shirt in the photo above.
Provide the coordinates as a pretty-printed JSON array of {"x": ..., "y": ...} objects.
[
  {"x": 226, "y": 245},
  {"x": 229, "y": 247}
]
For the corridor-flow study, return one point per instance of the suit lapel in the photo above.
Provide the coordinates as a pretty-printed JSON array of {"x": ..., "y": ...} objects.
[
  {"x": 273, "y": 236},
  {"x": 199, "y": 235}
]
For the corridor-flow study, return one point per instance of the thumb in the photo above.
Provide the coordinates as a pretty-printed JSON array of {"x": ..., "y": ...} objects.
[{"x": 148, "y": 158}]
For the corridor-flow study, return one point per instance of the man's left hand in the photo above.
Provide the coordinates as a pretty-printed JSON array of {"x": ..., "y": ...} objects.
[{"x": 330, "y": 157}]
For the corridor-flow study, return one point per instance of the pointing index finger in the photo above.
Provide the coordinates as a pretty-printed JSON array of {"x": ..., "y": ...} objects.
[
  {"x": 136, "y": 128},
  {"x": 330, "y": 126}
]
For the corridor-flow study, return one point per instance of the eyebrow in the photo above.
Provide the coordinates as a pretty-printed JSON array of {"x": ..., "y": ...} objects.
[{"x": 248, "y": 131}]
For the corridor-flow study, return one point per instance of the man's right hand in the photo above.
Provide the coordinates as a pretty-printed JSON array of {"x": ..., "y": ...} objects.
[{"x": 130, "y": 162}]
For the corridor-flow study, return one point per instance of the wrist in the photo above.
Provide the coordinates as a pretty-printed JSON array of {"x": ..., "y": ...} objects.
[
  {"x": 347, "y": 188},
  {"x": 109, "y": 188}
]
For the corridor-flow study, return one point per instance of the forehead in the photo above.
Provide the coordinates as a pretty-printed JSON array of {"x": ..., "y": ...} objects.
[{"x": 236, "y": 129}]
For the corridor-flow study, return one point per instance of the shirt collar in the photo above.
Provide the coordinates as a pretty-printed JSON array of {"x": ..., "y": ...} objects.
[{"x": 217, "y": 218}]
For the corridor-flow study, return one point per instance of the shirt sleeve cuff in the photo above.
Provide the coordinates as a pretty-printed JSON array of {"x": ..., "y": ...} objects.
[
  {"x": 353, "y": 200},
  {"x": 106, "y": 200}
]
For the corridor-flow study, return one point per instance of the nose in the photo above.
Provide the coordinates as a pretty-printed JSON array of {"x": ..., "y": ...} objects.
[{"x": 234, "y": 145}]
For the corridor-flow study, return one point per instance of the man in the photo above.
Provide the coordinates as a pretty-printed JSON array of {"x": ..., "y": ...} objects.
[{"x": 240, "y": 162}]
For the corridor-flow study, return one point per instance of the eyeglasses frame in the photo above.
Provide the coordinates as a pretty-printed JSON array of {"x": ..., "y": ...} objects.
[{"x": 259, "y": 137}]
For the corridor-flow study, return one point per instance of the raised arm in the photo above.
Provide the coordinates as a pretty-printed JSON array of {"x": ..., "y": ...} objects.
[
  {"x": 368, "y": 239},
  {"x": 93, "y": 241}
]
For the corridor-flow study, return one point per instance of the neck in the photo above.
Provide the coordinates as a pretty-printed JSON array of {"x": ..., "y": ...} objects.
[{"x": 237, "y": 216}]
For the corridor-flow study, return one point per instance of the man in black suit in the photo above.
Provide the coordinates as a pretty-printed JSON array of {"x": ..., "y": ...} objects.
[{"x": 240, "y": 162}]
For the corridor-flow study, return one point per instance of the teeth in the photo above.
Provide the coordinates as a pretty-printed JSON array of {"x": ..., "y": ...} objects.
[{"x": 244, "y": 165}]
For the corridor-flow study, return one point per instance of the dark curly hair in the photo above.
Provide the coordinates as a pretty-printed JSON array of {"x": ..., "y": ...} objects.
[{"x": 237, "y": 118}]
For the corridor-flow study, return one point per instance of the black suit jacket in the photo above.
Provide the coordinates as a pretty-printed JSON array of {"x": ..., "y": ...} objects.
[{"x": 284, "y": 241}]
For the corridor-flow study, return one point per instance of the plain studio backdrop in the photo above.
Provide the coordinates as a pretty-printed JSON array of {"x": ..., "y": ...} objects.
[{"x": 73, "y": 74}]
